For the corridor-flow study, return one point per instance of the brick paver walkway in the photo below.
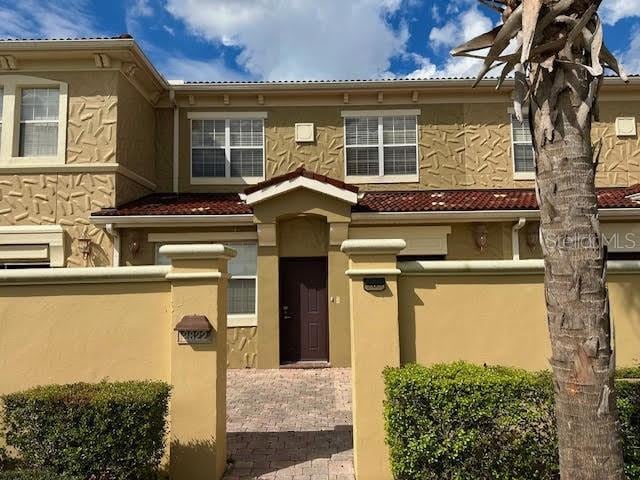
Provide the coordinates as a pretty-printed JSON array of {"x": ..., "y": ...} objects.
[{"x": 290, "y": 424}]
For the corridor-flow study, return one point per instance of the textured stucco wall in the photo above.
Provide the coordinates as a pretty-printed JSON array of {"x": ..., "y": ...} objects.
[
  {"x": 504, "y": 321},
  {"x": 462, "y": 145},
  {"x": 242, "y": 347},
  {"x": 65, "y": 199}
]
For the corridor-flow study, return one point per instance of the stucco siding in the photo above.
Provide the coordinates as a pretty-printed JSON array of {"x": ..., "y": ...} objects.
[{"x": 502, "y": 320}]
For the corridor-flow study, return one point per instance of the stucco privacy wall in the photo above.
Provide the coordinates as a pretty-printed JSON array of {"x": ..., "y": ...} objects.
[
  {"x": 463, "y": 144},
  {"x": 502, "y": 321},
  {"x": 118, "y": 324}
]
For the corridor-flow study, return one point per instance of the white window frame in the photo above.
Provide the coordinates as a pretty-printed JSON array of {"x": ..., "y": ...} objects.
[
  {"x": 518, "y": 175},
  {"x": 227, "y": 117},
  {"x": 233, "y": 319},
  {"x": 381, "y": 177},
  {"x": 12, "y": 121}
]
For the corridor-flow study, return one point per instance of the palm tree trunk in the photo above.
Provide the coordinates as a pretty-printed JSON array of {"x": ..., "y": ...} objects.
[{"x": 583, "y": 360}]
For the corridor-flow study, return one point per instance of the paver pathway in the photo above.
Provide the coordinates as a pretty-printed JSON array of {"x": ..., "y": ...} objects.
[{"x": 290, "y": 424}]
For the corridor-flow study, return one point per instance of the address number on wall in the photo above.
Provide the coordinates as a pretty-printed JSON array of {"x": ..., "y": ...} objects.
[{"x": 190, "y": 337}]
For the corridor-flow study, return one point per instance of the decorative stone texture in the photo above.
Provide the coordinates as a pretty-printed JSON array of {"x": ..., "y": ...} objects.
[
  {"x": 619, "y": 163},
  {"x": 64, "y": 199},
  {"x": 91, "y": 130},
  {"x": 77, "y": 196},
  {"x": 242, "y": 347},
  {"x": 323, "y": 156}
]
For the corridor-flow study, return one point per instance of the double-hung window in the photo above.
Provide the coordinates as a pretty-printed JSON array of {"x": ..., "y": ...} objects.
[
  {"x": 39, "y": 109},
  {"x": 226, "y": 149},
  {"x": 381, "y": 147},
  {"x": 243, "y": 281},
  {"x": 523, "y": 164}
]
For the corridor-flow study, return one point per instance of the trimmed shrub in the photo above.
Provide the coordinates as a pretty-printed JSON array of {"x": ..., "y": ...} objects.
[
  {"x": 34, "y": 475},
  {"x": 104, "y": 430},
  {"x": 467, "y": 422}
]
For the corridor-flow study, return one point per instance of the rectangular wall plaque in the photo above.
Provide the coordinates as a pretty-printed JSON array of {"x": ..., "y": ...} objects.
[
  {"x": 377, "y": 284},
  {"x": 194, "y": 337}
]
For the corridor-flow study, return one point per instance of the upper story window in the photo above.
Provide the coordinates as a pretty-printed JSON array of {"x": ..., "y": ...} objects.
[
  {"x": 39, "y": 110},
  {"x": 381, "y": 146},
  {"x": 226, "y": 150},
  {"x": 523, "y": 164},
  {"x": 33, "y": 114}
]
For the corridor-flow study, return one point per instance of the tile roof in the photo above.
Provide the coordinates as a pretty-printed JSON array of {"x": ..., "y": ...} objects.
[
  {"x": 301, "y": 172},
  {"x": 181, "y": 204},
  {"x": 477, "y": 200},
  {"x": 407, "y": 201}
]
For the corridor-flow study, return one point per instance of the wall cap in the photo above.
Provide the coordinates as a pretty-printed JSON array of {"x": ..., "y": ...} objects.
[
  {"x": 43, "y": 276},
  {"x": 373, "y": 246},
  {"x": 197, "y": 251},
  {"x": 371, "y": 272},
  {"x": 501, "y": 267}
]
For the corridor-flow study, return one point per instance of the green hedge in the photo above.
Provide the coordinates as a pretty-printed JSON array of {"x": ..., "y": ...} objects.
[
  {"x": 467, "y": 422},
  {"x": 105, "y": 430},
  {"x": 34, "y": 475}
]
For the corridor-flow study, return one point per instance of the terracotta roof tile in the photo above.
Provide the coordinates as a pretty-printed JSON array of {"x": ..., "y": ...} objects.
[
  {"x": 181, "y": 204},
  {"x": 301, "y": 172},
  {"x": 470, "y": 200},
  {"x": 407, "y": 201}
]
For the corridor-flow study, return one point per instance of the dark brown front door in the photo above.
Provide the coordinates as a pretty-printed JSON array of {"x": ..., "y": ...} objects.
[{"x": 304, "y": 326}]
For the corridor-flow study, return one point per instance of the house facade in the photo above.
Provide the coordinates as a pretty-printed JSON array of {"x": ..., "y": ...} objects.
[{"x": 103, "y": 161}]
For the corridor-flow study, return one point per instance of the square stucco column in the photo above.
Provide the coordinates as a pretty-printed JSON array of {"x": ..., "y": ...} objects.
[
  {"x": 268, "y": 299},
  {"x": 338, "y": 284},
  {"x": 197, "y": 446},
  {"x": 375, "y": 344}
]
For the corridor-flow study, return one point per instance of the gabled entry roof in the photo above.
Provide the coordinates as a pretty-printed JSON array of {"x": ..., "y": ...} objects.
[{"x": 301, "y": 178}]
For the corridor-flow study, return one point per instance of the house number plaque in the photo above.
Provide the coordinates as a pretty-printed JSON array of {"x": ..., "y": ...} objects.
[
  {"x": 194, "y": 337},
  {"x": 194, "y": 330}
]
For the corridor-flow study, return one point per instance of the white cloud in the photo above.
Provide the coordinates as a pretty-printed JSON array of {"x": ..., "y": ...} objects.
[
  {"x": 631, "y": 58},
  {"x": 614, "y": 10},
  {"x": 37, "y": 18},
  {"x": 136, "y": 10},
  {"x": 183, "y": 68},
  {"x": 283, "y": 39},
  {"x": 462, "y": 26}
]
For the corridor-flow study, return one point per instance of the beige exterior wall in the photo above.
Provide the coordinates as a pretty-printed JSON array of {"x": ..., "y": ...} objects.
[
  {"x": 463, "y": 144},
  {"x": 501, "y": 322},
  {"x": 96, "y": 324},
  {"x": 83, "y": 333}
]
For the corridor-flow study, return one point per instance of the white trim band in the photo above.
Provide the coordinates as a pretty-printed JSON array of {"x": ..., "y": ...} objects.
[
  {"x": 302, "y": 182},
  {"x": 227, "y": 115},
  {"x": 409, "y": 112}
]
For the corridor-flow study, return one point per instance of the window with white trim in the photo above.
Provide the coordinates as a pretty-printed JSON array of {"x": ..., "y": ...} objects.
[
  {"x": 243, "y": 278},
  {"x": 243, "y": 271},
  {"x": 227, "y": 148},
  {"x": 33, "y": 120},
  {"x": 381, "y": 146},
  {"x": 522, "y": 146},
  {"x": 39, "y": 108}
]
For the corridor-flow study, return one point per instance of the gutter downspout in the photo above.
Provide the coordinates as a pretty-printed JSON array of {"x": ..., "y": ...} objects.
[
  {"x": 515, "y": 238},
  {"x": 115, "y": 235},
  {"x": 176, "y": 139}
]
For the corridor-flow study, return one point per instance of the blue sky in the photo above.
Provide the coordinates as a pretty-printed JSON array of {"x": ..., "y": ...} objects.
[{"x": 293, "y": 39}]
